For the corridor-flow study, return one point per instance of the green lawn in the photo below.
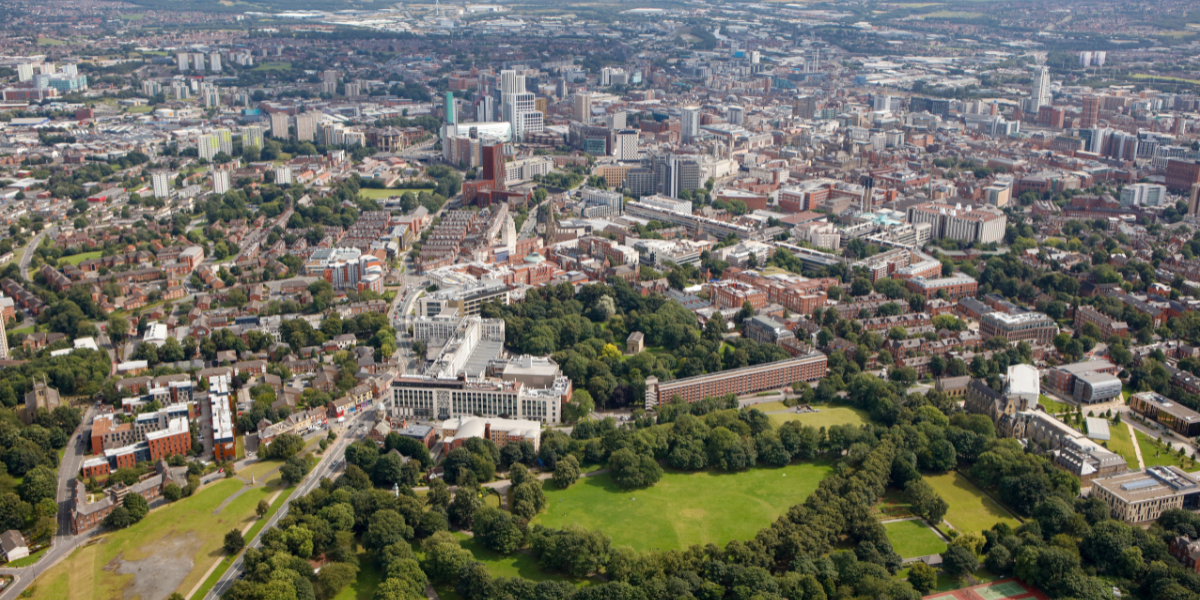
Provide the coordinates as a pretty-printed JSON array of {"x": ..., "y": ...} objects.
[
  {"x": 1150, "y": 447},
  {"x": 184, "y": 537},
  {"x": 272, "y": 66},
  {"x": 911, "y": 539},
  {"x": 1053, "y": 406},
  {"x": 683, "y": 508},
  {"x": 28, "y": 560},
  {"x": 970, "y": 510},
  {"x": 249, "y": 535},
  {"x": 826, "y": 416},
  {"x": 770, "y": 406},
  {"x": 75, "y": 259},
  {"x": 369, "y": 578},
  {"x": 380, "y": 194},
  {"x": 139, "y": 109},
  {"x": 517, "y": 564},
  {"x": 1122, "y": 444},
  {"x": 45, "y": 41}
]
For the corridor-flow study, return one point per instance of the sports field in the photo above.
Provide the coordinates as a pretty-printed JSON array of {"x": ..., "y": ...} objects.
[
  {"x": 970, "y": 509},
  {"x": 914, "y": 538},
  {"x": 826, "y": 416},
  {"x": 170, "y": 550},
  {"x": 683, "y": 508}
]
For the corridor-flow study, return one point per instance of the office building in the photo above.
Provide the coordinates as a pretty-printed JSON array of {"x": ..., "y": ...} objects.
[
  {"x": 747, "y": 380},
  {"x": 625, "y": 144},
  {"x": 981, "y": 225},
  {"x": 689, "y": 123},
  {"x": 1182, "y": 174},
  {"x": 958, "y": 285},
  {"x": 1040, "y": 95},
  {"x": 1143, "y": 496},
  {"x": 161, "y": 182},
  {"x": 737, "y": 115},
  {"x": 501, "y": 432},
  {"x": 804, "y": 107},
  {"x": 1090, "y": 114},
  {"x": 1032, "y": 327},
  {"x": 1166, "y": 412},
  {"x": 1143, "y": 194},
  {"x": 487, "y": 398},
  {"x": 581, "y": 105},
  {"x": 451, "y": 112}
]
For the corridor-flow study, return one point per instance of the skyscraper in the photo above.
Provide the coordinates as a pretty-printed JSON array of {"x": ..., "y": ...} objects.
[
  {"x": 182, "y": 60},
  {"x": 804, "y": 107},
  {"x": 511, "y": 83},
  {"x": 1041, "y": 87},
  {"x": 492, "y": 159},
  {"x": 1091, "y": 111},
  {"x": 689, "y": 123},
  {"x": 306, "y": 126},
  {"x": 3, "y": 340},
  {"x": 252, "y": 135},
  {"x": 582, "y": 107},
  {"x": 214, "y": 60},
  {"x": 1194, "y": 201},
  {"x": 451, "y": 115}
]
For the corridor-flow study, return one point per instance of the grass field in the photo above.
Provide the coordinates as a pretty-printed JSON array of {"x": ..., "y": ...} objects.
[
  {"x": 378, "y": 194},
  {"x": 75, "y": 259},
  {"x": 1121, "y": 443},
  {"x": 369, "y": 578},
  {"x": 683, "y": 508},
  {"x": 171, "y": 548},
  {"x": 826, "y": 416},
  {"x": 1161, "y": 77},
  {"x": 516, "y": 564},
  {"x": 140, "y": 109},
  {"x": 1053, "y": 406},
  {"x": 1150, "y": 447},
  {"x": 970, "y": 510},
  {"x": 911, "y": 539},
  {"x": 770, "y": 406},
  {"x": 227, "y": 562},
  {"x": 45, "y": 41}
]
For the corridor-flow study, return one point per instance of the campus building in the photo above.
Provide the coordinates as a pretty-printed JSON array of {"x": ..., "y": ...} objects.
[
  {"x": 747, "y": 380},
  {"x": 955, "y": 286},
  {"x": 1033, "y": 327},
  {"x": 1143, "y": 496},
  {"x": 1166, "y": 412},
  {"x": 456, "y": 431}
]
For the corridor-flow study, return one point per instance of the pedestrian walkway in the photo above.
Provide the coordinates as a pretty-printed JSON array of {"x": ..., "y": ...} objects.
[{"x": 1137, "y": 448}]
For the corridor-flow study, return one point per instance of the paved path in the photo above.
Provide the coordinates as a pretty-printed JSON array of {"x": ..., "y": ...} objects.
[
  {"x": 1137, "y": 448},
  {"x": 328, "y": 466}
]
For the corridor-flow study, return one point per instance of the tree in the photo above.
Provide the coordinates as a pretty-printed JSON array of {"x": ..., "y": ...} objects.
[
  {"x": 386, "y": 527},
  {"x": 118, "y": 519},
  {"x": 285, "y": 446},
  {"x": 567, "y": 472},
  {"x": 39, "y": 483},
  {"x": 293, "y": 471},
  {"x": 334, "y": 577},
  {"x": 234, "y": 542},
  {"x": 528, "y": 499},
  {"x": 497, "y": 530},
  {"x": 633, "y": 471},
  {"x": 261, "y": 510},
  {"x": 922, "y": 577},
  {"x": 14, "y": 512},
  {"x": 137, "y": 506},
  {"x": 580, "y": 406},
  {"x": 958, "y": 562}
]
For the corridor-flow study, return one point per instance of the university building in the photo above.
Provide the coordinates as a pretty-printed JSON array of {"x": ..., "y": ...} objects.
[{"x": 747, "y": 380}]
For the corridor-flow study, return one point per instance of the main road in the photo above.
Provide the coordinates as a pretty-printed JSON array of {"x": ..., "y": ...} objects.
[
  {"x": 64, "y": 541},
  {"x": 330, "y": 463},
  {"x": 27, "y": 256}
]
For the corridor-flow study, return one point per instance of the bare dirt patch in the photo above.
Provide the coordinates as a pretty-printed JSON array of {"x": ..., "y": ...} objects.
[{"x": 166, "y": 565}]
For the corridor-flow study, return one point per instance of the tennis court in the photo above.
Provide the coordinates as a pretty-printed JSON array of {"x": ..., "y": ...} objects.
[
  {"x": 1010, "y": 589},
  {"x": 999, "y": 591}
]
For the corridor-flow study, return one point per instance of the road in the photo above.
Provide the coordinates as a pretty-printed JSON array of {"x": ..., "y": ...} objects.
[
  {"x": 64, "y": 541},
  {"x": 33, "y": 245},
  {"x": 326, "y": 468}
]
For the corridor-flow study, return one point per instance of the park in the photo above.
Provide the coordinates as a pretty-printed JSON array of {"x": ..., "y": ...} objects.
[{"x": 683, "y": 508}]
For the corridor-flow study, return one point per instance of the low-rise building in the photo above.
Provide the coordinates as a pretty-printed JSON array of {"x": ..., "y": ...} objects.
[
  {"x": 1166, "y": 412},
  {"x": 1032, "y": 327},
  {"x": 456, "y": 431},
  {"x": 1143, "y": 496}
]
